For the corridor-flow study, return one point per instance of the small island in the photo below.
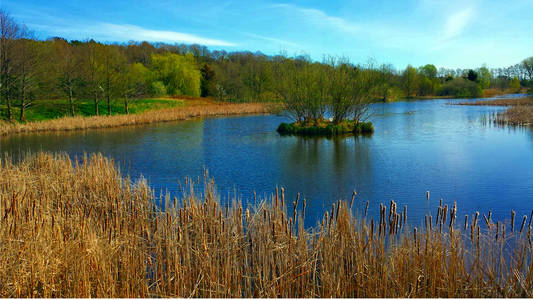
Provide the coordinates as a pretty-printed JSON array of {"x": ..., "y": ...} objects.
[
  {"x": 325, "y": 128},
  {"x": 336, "y": 88}
]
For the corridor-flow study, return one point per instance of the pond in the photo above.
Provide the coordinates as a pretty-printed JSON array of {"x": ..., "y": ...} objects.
[{"x": 417, "y": 146}]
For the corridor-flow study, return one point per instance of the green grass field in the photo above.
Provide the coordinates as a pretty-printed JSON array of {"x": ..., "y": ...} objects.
[{"x": 52, "y": 109}]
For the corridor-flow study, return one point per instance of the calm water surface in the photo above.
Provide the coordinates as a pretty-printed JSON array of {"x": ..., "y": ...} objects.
[{"x": 417, "y": 146}]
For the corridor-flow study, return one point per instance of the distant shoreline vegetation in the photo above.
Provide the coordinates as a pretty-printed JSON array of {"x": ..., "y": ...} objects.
[
  {"x": 325, "y": 128},
  {"x": 46, "y": 79}
]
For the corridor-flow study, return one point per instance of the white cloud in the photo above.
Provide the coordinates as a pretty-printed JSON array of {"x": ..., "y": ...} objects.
[
  {"x": 318, "y": 17},
  {"x": 133, "y": 32},
  {"x": 273, "y": 40},
  {"x": 109, "y": 32},
  {"x": 457, "y": 22}
]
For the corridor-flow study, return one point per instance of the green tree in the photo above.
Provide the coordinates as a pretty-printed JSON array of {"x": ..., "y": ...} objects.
[
  {"x": 527, "y": 64},
  {"x": 207, "y": 84},
  {"x": 133, "y": 83},
  {"x": 410, "y": 81},
  {"x": 515, "y": 84},
  {"x": 179, "y": 73},
  {"x": 471, "y": 75},
  {"x": 484, "y": 77},
  {"x": 460, "y": 88},
  {"x": 429, "y": 71}
]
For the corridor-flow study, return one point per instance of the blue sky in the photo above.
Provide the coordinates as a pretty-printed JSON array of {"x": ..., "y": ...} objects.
[{"x": 449, "y": 33}]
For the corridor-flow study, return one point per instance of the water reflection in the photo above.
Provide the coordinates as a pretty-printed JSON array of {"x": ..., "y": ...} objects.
[{"x": 416, "y": 146}]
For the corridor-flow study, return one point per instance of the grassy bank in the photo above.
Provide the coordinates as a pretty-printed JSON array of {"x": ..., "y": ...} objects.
[
  {"x": 80, "y": 230},
  {"x": 187, "y": 109},
  {"x": 59, "y": 108},
  {"x": 325, "y": 128}
]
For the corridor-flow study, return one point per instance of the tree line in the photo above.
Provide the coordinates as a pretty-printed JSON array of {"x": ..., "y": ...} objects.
[{"x": 35, "y": 70}]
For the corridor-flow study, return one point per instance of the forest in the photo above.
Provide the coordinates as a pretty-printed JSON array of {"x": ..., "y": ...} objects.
[{"x": 34, "y": 70}]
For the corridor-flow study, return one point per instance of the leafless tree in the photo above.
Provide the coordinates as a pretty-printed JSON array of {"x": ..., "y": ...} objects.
[{"x": 9, "y": 33}]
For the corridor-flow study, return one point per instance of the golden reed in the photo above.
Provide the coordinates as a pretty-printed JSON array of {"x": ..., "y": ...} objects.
[
  {"x": 148, "y": 117},
  {"x": 80, "y": 229}
]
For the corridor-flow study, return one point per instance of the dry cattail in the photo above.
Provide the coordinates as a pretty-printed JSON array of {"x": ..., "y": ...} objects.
[
  {"x": 303, "y": 208},
  {"x": 523, "y": 223},
  {"x": 445, "y": 213},
  {"x": 353, "y": 197},
  {"x": 497, "y": 230},
  {"x": 404, "y": 214},
  {"x": 486, "y": 220},
  {"x": 512, "y": 220},
  {"x": 338, "y": 209},
  {"x": 282, "y": 197}
]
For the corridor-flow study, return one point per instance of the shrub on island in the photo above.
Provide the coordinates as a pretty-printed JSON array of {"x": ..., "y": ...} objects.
[{"x": 325, "y": 127}]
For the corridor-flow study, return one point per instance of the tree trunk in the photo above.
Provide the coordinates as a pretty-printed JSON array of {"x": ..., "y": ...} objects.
[
  {"x": 22, "y": 101},
  {"x": 8, "y": 102},
  {"x": 71, "y": 101},
  {"x": 22, "y": 111},
  {"x": 96, "y": 104},
  {"x": 126, "y": 105},
  {"x": 108, "y": 105}
]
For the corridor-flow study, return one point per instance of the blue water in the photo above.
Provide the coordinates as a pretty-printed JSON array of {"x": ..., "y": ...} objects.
[{"x": 417, "y": 146}]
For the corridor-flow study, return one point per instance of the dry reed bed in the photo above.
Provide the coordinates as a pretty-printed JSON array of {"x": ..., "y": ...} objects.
[
  {"x": 81, "y": 230},
  {"x": 499, "y": 102},
  {"x": 517, "y": 115},
  {"x": 152, "y": 116}
]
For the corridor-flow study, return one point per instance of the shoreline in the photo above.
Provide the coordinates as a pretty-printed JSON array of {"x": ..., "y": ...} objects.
[{"x": 144, "y": 118}]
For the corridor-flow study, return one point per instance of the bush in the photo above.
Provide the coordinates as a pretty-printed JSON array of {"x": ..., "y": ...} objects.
[
  {"x": 158, "y": 89},
  {"x": 326, "y": 128},
  {"x": 460, "y": 88}
]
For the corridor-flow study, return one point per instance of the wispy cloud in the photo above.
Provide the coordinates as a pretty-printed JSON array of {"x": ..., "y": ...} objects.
[
  {"x": 133, "y": 32},
  {"x": 320, "y": 18},
  {"x": 273, "y": 40},
  {"x": 110, "y": 32},
  {"x": 457, "y": 22}
]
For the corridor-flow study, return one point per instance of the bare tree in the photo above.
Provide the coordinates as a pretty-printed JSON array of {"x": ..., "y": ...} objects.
[
  {"x": 92, "y": 68},
  {"x": 528, "y": 66},
  {"x": 28, "y": 60},
  {"x": 9, "y": 32},
  {"x": 68, "y": 69}
]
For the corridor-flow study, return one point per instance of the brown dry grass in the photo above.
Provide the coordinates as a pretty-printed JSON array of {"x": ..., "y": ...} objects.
[
  {"x": 499, "y": 102},
  {"x": 517, "y": 115},
  {"x": 492, "y": 92},
  {"x": 81, "y": 230},
  {"x": 192, "y": 109}
]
